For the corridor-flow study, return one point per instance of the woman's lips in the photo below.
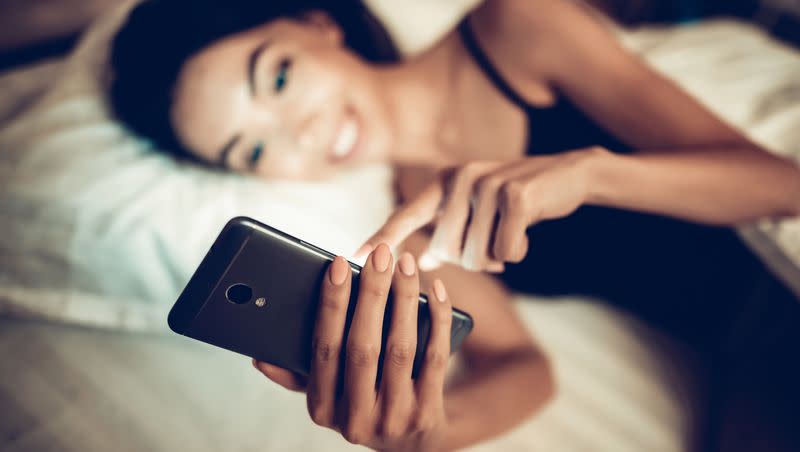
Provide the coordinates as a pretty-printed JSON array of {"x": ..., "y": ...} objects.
[{"x": 346, "y": 139}]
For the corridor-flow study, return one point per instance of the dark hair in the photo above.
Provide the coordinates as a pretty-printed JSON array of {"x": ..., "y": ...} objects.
[{"x": 160, "y": 35}]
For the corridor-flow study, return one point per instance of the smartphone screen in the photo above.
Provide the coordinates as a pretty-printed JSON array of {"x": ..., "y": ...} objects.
[{"x": 256, "y": 293}]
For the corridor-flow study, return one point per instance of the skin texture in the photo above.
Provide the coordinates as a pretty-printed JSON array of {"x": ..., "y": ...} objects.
[{"x": 456, "y": 142}]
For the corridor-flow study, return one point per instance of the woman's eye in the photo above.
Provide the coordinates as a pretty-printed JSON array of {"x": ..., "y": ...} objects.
[
  {"x": 255, "y": 155},
  {"x": 281, "y": 78}
]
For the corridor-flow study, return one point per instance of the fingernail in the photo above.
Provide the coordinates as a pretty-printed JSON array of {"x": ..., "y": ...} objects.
[
  {"x": 338, "y": 271},
  {"x": 363, "y": 251},
  {"x": 438, "y": 290},
  {"x": 428, "y": 262},
  {"x": 380, "y": 257},
  {"x": 406, "y": 264},
  {"x": 254, "y": 362},
  {"x": 496, "y": 267}
]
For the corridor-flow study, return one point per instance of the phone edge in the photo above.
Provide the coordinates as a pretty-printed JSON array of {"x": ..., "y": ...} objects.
[
  {"x": 209, "y": 272},
  {"x": 229, "y": 242}
]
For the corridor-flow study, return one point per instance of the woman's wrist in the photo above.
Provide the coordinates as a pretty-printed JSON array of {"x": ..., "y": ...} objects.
[{"x": 597, "y": 165}]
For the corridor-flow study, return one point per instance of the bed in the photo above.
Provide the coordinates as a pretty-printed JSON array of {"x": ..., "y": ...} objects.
[{"x": 88, "y": 365}]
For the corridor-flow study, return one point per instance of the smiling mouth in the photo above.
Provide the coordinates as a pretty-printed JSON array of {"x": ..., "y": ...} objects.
[{"x": 346, "y": 139}]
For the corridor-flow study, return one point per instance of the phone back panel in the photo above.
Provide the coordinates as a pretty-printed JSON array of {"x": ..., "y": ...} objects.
[{"x": 287, "y": 273}]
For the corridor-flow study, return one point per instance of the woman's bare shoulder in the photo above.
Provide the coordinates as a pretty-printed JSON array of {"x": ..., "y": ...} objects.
[
  {"x": 528, "y": 36},
  {"x": 519, "y": 38},
  {"x": 534, "y": 17}
]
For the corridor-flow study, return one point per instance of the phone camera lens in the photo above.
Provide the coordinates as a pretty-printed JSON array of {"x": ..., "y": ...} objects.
[{"x": 239, "y": 293}]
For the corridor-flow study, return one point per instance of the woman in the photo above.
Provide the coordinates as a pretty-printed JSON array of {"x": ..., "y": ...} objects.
[
  {"x": 291, "y": 38},
  {"x": 528, "y": 114}
]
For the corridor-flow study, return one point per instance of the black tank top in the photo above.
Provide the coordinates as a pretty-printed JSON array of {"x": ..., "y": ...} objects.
[{"x": 561, "y": 127}]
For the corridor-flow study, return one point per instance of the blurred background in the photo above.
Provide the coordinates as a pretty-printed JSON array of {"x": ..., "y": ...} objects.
[{"x": 31, "y": 29}]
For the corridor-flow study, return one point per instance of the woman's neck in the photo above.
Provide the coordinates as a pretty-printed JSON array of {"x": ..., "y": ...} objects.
[{"x": 417, "y": 93}]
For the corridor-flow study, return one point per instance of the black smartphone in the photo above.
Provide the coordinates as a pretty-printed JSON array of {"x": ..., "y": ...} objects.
[{"x": 256, "y": 293}]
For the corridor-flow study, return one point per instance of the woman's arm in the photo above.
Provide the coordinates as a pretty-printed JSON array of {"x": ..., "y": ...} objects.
[
  {"x": 508, "y": 377},
  {"x": 726, "y": 185},
  {"x": 691, "y": 165}
]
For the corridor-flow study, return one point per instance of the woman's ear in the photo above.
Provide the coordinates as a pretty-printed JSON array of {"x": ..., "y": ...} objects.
[{"x": 326, "y": 25}]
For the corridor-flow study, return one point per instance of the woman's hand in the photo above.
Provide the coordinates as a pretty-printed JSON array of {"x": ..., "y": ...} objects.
[
  {"x": 480, "y": 211},
  {"x": 395, "y": 413}
]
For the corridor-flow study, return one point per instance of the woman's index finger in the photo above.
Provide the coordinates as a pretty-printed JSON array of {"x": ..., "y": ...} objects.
[{"x": 407, "y": 219}]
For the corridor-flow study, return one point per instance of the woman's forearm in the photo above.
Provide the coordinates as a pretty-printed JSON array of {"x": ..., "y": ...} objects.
[
  {"x": 713, "y": 186},
  {"x": 497, "y": 395}
]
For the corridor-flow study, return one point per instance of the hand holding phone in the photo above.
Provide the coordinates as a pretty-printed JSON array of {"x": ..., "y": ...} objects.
[{"x": 388, "y": 411}]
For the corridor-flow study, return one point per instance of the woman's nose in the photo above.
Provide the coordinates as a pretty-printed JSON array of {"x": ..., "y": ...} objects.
[{"x": 309, "y": 133}]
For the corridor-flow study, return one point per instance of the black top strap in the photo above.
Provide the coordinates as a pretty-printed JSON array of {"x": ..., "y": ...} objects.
[{"x": 474, "y": 48}]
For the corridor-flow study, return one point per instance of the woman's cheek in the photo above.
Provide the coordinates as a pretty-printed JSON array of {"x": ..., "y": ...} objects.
[
  {"x": 320, "y": 85},
  {"x": 299, "y": 169}
]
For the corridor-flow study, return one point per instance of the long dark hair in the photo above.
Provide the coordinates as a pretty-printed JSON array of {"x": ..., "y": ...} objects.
[{"x": 159, "y": 36}]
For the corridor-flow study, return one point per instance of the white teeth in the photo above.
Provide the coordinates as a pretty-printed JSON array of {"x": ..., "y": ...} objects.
[{"x": 346, "y": 139}]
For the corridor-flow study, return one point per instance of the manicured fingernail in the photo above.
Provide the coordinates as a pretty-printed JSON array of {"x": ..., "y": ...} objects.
[
  {"x": 428, "y": 262},
  {"x": 338, "y": 271},
  {"x": 406, "y": 264},
  {"x": 255, "y": 363},
  {"x": 363, "y": 251},
  {"x": 438, "y": 290},
  {"x": 380, "y": 257}
]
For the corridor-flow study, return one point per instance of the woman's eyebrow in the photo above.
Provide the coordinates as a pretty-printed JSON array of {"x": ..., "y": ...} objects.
[
  {"x": 251, "y": 78},
  {"x": 251, "y": 65},
  {"x": 223, "y": 153}
]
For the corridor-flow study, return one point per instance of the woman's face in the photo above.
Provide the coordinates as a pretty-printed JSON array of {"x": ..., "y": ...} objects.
[{"x": 283, "y": 100}]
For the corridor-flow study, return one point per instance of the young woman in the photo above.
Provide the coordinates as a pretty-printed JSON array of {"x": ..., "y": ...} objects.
[{"x": 527, "y": 138}]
